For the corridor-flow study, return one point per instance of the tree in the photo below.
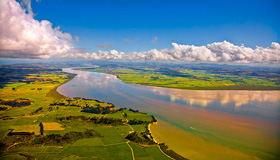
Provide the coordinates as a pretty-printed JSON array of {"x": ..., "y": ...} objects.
[
  {"x": 41, "y": 128},
  {"x": 125, "y": 115}
]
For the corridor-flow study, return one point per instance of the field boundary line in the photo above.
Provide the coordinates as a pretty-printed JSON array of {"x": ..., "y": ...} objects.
[
  {"x": 13, "y": 145},
  {"x": 131, "y": 150},
  {"x": 113, "y": 144},
  {"x": 165, "y": 153}
]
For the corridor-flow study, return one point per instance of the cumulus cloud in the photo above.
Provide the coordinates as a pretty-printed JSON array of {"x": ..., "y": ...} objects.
[
  {"x": 27, "y": 5},
  {"x": 215, "y": 52},
  {"x": 154, "y": 40},
  {"x": 106, "y": 45},
  {"x": 21, "y": 36}
]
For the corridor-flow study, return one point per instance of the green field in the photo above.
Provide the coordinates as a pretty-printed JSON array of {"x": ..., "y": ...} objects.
[
  {"x": 182, "y": 78},
  {"x": 71, "y": 130}
]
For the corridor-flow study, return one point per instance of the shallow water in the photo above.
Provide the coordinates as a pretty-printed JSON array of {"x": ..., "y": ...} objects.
[{"x": 198, "y": 124}]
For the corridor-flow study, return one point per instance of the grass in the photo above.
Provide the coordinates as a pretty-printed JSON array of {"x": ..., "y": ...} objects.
[
  {"x": 131, "y": 115},
  {"x": 111, "y": 135},
  {"x": 143, "y": 153},
  {"x": 116, "y": 152},
  {"x": 111, "y": 145},
  {"x": 27, "y": 128},
  {"x": 89, "y": 142},
  {"x": 190, "y": 79}
]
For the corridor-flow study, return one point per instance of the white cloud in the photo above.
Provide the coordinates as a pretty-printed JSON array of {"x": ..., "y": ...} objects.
[
  {"x": 27, "y": 5},
  {"x": 215, "y": 52},
  {"x": 21, "y": 36}
]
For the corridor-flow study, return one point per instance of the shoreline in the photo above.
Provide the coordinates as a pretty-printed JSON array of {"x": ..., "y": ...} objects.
[
  {"x": 248, "y": 88},
  {"x": 230, "y": 88},
  {"x": 187, "y": 144},
  {"x": 164, "y": 148},
  {"x": 150, "y": 131},
  {"x": 159, "y": 138},
  {"x": 56, "y": 95},
  {"x": 53, "y": 93}
]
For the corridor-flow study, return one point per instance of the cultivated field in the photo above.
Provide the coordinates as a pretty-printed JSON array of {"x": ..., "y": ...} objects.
[
  {"x": 50, "y": 126},
  {"x": 195, "y": 77}
]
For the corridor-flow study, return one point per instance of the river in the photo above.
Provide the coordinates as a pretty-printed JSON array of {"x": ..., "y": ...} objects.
[{"x": 198, "y": 124}]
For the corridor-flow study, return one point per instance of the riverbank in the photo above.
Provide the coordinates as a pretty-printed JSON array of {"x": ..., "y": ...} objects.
[
  {"x": 236, "y": 88},
  {"x": 210, "y": 124},
  {"x": 159, "y": 136},
  {"x": 150, "y": 131},
  {"x": 53, "y": 93},
  {"x": 188, "y": 80},
  {"x": 162, "y": 147},
  {"x": 67, "y": 126}
]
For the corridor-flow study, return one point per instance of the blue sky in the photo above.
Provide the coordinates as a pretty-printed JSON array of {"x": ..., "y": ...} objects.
[{"x": 200, "y": 22}]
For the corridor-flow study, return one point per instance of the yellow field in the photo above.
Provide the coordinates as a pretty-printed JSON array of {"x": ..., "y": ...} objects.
[
  {"x": 27, "y": 128},
  {"x": 51, "y": 126}
]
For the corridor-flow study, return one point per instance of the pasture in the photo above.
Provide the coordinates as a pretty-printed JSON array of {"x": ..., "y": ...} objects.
[{"x": 47, "y": 107}]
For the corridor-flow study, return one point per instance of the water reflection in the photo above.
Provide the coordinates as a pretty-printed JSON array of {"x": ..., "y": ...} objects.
[
  {"x": 97, "y": 81},
  {"x": 109, "y": 88},
  {"x": 206, "y": 97},
  {"x": 232, "y": 120}
]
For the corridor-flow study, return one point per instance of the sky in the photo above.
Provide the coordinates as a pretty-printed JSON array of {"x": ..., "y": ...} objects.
[
  {"x": 217, "y": 31},
  {"x": 132, "y": 25}
]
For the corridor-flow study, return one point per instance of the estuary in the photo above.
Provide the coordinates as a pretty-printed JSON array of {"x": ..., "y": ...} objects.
[{"x": 197, "y": 124}]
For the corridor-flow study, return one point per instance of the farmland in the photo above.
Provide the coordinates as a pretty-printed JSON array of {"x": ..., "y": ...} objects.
[
  {"x": 51, "y": 126},
  {"x": 195, "y": 77}
]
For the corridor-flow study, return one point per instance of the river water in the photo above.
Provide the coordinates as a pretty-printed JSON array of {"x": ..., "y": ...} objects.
[{"x": 198, "y": 124}]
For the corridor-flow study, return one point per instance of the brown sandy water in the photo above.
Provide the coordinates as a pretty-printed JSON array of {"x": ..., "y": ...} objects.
[
  {"x": 190, "y": 145},
  {"x": 197, "y": 124}
]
